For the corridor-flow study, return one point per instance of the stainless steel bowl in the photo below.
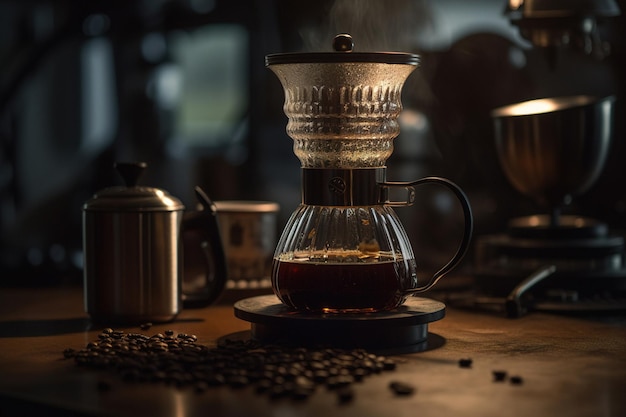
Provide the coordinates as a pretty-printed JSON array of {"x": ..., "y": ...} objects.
[{"x": 552, "y": 149}]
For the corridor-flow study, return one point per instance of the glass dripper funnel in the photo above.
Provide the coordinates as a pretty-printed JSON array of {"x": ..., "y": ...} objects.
[{"x": 344, "y": 248}]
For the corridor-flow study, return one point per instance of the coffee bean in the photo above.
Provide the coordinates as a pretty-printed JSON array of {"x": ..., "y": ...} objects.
[
  {"x": 332, "y": 382},
  {"x": 345, "y": 394},
  {"x": 320, "y": 375},
  {"x": 401, "y": 388},
  {"x": 237, "y": 381},
  {"x": 277, "y": 391},
  {"x": 300, "y": 393},
  {"x": 274, "y": 370},
  {"x": 389, "y": 365},
  {"x": 263, "y": 386},
  {"x": 216, "y": 380},
  {"x": 358, "y": 374},
  {"x": 465, "y": 363},
  {"x": 145, "y": 326},
  {"x": 516, "y": 380},
  {"x": 69, "y": 353},
  {"x": 499, "y": 376},
  {"x": 201, "y": 386}
]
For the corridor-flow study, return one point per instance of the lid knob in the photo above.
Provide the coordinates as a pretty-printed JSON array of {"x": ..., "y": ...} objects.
[
  {"x": 130, "y": 171},
  {"x": 343, "y": 43}
]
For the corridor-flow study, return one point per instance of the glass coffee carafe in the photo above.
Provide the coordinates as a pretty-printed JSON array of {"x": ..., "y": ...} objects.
[{"x": 344, "y": 248}]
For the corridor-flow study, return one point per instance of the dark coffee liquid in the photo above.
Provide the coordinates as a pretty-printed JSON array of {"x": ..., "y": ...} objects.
[{"x": 341, "y": 287}]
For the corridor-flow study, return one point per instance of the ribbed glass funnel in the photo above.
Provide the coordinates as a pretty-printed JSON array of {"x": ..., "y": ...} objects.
[{"x": 342, "y": 106}]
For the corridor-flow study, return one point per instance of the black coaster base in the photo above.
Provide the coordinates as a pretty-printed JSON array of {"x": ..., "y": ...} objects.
[{"x": 405, "y": 328}]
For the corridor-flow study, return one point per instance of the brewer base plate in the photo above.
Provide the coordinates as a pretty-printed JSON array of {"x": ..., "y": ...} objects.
[{"x": 405, "y": 328}]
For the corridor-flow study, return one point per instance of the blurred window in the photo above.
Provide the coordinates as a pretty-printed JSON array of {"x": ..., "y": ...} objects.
[{"x": 214, "y": 97}]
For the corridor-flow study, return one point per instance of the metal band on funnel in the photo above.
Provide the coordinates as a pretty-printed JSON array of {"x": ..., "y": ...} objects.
[{"x": 342, "y": 187}]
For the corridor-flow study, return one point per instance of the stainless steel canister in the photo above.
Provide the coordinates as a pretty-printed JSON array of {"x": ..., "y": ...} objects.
[{"x": 131, "y": 247}]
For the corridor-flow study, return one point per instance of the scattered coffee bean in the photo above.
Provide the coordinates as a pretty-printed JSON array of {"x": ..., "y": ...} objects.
[
  {"x": 277, "y": 391},
  {"x": 516, "y": 380},
  {"x": 69, "y": 353},
  {"x": 301, "y": 393},
  {"x": 264, "y": 386},
  {"x": 389, "y": 365},
  {"x": 277, "y": 371},
  {"x": 465, "y": 363},
  {"x": 201, "y": 386},
  {"x": 237, "y": 381},
  {"x": 216, "y": 379},
  {"x": 499, "y": 376},
  {"x": 401, "y": 388},
  {"x": 339, "y": 381},
  {"x": 345, "y": 394},
  {"x": 358, "y": 374},
  {"x": 145, "y": 326}
]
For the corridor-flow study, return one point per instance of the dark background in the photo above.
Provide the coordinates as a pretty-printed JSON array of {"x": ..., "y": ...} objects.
[{"x": 181, "y": 84}]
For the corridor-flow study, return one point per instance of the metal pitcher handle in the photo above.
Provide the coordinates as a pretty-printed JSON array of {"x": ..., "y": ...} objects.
[
  {"x": 467, "y": 214},
  {"x": 207, "y": 245}
]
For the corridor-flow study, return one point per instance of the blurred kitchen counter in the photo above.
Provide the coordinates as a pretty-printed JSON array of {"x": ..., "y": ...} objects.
[{"x": 569, "y": 366}]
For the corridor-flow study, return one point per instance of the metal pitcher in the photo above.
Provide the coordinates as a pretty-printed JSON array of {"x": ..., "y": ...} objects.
[{"x": 135, "y": 265}]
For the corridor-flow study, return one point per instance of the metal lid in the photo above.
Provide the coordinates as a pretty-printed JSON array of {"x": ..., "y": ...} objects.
[
  {"x": 244, "y": 206},
  {"x": 343, "y": 46},
  {"x": 547, "y": 105},
  {"x": 132, "y": 197}
]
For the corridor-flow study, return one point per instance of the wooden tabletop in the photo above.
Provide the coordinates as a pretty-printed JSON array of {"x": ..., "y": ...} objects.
[{"x": 567, "y": 365}]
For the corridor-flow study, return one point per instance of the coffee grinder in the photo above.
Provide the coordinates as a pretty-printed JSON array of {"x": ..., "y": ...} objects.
[{"x": 552, "y": 150}]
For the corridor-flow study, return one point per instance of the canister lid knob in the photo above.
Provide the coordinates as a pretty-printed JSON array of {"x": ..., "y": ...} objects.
[
  {"x": 130, "y": 171},
  {"x": 343, "y": 43}
]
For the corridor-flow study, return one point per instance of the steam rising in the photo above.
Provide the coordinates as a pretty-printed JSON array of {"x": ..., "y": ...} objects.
[{"x": 375, "y": 25}]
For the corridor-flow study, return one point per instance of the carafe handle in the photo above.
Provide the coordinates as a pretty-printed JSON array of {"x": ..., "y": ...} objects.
[
  {"x": 202, "y": 245},
  {"x": 467, "y": 214}
]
